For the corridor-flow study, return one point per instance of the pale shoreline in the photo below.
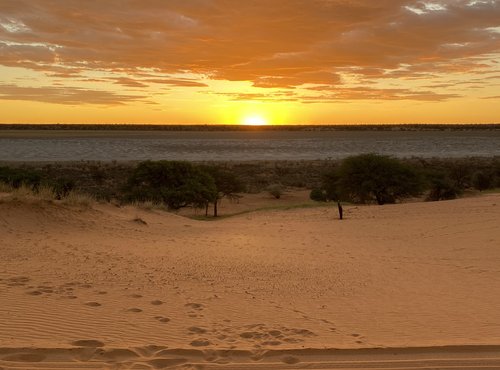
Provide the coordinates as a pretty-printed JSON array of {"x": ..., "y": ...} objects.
[{"x": 268, "y": 289}]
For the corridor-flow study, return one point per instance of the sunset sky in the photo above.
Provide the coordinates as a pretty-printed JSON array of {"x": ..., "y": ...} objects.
[{"x": 252, "y": 61}]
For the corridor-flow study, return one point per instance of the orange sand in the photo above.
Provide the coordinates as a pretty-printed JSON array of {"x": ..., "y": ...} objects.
[{"x": 92, "y": 288}]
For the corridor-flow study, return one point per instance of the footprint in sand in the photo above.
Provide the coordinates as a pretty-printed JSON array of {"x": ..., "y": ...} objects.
[
  {"x": 87, "y": 343},
  {"x": 135, "y": 295},
  {"x": 92, "y": 304},
  {"x": 162, "y": 319},
  {"x": 194, "y": 306},
  {"x": 197, "y": 330},
  {"x": 251, "y": 335},
  {"x": 45, "y": 289},
  {"x": 18, "y": 281},
  {"x": 34, "y": 292},
  {"x": 200, "y": 343},
  {"x": 157, "y": 302},
  {"x": 134, "y": 309},
  {"x": 293, "y": 340},
  {"x": 303, "y": 332},
  {"x": 290, "y": 360}
]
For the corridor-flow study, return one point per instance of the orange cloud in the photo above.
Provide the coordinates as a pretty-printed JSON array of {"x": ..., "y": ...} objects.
[
  {"x": 290, "y": 44},
  {"x": 64, "y": 95}
]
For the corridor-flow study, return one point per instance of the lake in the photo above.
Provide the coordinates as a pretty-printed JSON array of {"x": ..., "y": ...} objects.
[{"x": 40, "y": 145}]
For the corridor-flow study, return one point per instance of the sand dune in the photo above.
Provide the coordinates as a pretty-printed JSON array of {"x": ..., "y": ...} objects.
[{"x": 97, "y": 288}]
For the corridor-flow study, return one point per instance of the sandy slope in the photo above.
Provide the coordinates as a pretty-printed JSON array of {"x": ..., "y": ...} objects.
[{"x": 91, "y": 288}]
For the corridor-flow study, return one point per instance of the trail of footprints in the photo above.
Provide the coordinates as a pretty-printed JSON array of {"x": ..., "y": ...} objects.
[
  {"x": 220, "y": 334},
  {"x": 255, "y": 335},
  {"x": 69, "y": 291}
]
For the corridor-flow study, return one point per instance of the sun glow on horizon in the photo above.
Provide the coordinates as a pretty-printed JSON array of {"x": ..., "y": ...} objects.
[
  {"x": 269, "y": 63},
  {"x": 255, "y": 120}
]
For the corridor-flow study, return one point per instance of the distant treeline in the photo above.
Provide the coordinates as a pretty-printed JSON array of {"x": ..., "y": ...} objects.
[{"x": 217, "y": 127}]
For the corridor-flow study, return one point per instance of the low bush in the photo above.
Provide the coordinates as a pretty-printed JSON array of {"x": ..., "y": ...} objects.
[
  {"x": 276, "y": 190},
  {"x": 17, "y": 177},
  {"x": 483, "y": 180},
  {"x": 441, "y": 187},
  {"x": 62, "y": 187},
  {"x": 372, "y": 177},
  {"x": 175, "y": 184},
  {"x": 318, "y": 195}
]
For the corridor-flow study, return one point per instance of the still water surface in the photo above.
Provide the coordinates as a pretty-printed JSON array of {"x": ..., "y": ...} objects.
[{"x": 239, "y": 146}]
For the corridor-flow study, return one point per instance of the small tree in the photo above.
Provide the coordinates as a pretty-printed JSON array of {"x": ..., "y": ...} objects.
[
  {"x": 460, "y": 172},
  {"x": 175, "y": 184},
  {"x": 318, "y": 195},
  {"x": 330, "y": 185},
  {"x": 226, "y": 184},
  {"x": 441, "y": 187},
  {"x": 276, "y": 190},
  {"x": 368, "y": 177},
  {"x": 483, "y": 180}
]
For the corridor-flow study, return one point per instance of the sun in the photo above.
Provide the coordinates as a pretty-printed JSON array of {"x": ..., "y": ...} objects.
[{"x": 254, "y": 121}]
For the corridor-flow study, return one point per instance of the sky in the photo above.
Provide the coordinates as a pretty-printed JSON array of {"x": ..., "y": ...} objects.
[{"x": 249, "y": 62}]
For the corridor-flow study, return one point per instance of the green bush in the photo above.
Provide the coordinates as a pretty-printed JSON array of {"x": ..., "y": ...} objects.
[
  {"x": 62, "y": 187},
  {"x": 276, "y": 190},
  {"x": 330, "y": 185},
  {"x": 441, "y": 187},
  {"x": 460, "y": 173},
  {"x": 483, "y": 180},
  {"x": 17, "y": 177},
  {"x": 368, "y": 177},
  {"x": 318, "y": 195},
  {"x": 175, "y": 184}
]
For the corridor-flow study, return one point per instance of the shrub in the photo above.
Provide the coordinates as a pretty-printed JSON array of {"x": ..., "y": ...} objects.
[
  {"x": 62, "y": 187},
  {"x": 17, "y": 177},
  {"x": 483, "y": 180},
  {"x": 330, "y": 185},
  {"x": 460, "y": 173},
  {"x": 441, "y": 187},
  {"x": 276, "y": 190},
  {"x": 175, "y": 184},
  {"x": 318, "y": 195},
  {"x": 368, "y": 177}
]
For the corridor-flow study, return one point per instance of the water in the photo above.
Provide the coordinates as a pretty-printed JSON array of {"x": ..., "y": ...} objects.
[{"x": 241, "y": 146}]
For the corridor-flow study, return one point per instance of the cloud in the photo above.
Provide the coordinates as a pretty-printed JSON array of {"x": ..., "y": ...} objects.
[
  {"x": 491, "y": 97},
  {"x": 176, "y": 82},
  {"x": 263, "y": 97},
  {"x": 328, "y": 93},
  {"x": 65, "y": 95},
  {"x": 273, "y": 44}
]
